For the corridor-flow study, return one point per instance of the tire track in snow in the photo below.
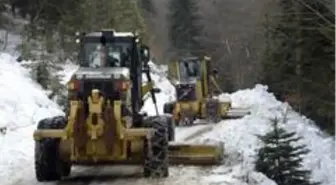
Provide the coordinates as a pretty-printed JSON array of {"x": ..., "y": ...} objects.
[
  {"x": 81, "y": 176},
  {"x": 199, "y": 133},
  {"x": 187, "y": 133}
]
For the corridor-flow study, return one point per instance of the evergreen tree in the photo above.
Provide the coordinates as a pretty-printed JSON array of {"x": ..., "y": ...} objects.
[
  {"x": 2, "y": 9},
  {"x": 49, "y": 38},
  {"x": 6, "y": 25},
  {"x": 121, "y": 15},
  {"x": 42, "y": 74},
  {"x": 299, "y": 58},
  {"x": 57, "y": 22},
  {"x": 280, "y": 160},
  {"x": 147, "y": 6},
  {"x": 185, "y": 29}
]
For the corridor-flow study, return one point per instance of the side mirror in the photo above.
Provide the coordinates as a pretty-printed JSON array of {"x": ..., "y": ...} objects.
[{"x": 144, "y": 53}]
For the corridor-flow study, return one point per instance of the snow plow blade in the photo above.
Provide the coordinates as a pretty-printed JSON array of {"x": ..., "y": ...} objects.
[
  {"x": 195, "y": 154},
  {"x": 236, "y": 113}
]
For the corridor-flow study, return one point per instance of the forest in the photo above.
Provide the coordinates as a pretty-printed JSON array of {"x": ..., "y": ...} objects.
[{"x": 285, "y": 44}]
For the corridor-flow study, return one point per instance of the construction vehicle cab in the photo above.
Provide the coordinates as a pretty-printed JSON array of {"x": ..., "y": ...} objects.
[
  {"x": 103, "y": 123},
  {"x": 195, "y": 86}
]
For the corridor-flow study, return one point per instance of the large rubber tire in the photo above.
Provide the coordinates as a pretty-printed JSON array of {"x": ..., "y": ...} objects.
[
  {"x": 156, "y": 164},
  {"x": 48, "y": 165}
]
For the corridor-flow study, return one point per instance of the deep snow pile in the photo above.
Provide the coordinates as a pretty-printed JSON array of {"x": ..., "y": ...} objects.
[
  {"x": 22, "y": 104},
  {"x": 67, "y": 72},
  {"x": 241, "y": 142},
  {"x": 167, "y": 94},
  {"x": 22, "y": 101}
]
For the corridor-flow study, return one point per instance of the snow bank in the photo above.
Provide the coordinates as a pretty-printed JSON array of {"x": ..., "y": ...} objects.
[
  {"x": 239, "y": 135},
  {"x": 167, "y": 94},
  {"x": 68, "y": 70},
  {"x": 22, "y": 104},
  {"x": 241, "y": 142}
]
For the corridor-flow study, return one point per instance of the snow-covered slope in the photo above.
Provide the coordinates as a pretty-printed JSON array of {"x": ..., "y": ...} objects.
[
  {"x": 158, "y": 75},
  {"x": 22, "y": 101},
  {"x": 22, "y": 104},
  {"x": 241, "y": 142}
]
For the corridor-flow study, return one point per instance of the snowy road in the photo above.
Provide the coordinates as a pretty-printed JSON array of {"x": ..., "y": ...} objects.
[{"x": 126, "y": 175}]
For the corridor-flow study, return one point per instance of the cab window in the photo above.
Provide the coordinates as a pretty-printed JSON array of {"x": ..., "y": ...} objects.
[
  {"x": 190, "y": 69},
  {"x": 110, "y": 55}
]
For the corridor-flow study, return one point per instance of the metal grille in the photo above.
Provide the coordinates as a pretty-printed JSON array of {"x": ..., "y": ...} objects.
[
  {"x": 106, "y": 87},
  {"x": 186, "y": 92}
]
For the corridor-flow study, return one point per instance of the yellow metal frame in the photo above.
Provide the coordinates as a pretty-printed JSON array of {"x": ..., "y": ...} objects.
[
  {"x": 96, "y": 146},
  {"x": 197, "y": 106}
]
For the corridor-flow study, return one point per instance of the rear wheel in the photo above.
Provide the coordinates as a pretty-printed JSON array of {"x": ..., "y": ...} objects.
[
  {"x": 156, "y": 150},
  {"x": 48, "y": 164}
]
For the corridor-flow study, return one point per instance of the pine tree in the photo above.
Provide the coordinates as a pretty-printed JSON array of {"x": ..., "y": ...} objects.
[
  {"x": 279, "y": 61},
  {"x": 49, "y": 40},
  {"x": 2, "y": 9},
  {"x": 147, "y": 6},
  {"x": 121, "y": 15},
  {"x": 185, "y": 29},
  {"x": 299, "y": 58},
  {"x": 280, "y": 160}
]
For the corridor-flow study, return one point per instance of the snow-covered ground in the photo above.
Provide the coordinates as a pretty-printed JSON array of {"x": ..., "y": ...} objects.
[
  {"x": 241, "y": 142},
  {"x": 158, "y": 75},
  {"x": 23, "y": 103}
]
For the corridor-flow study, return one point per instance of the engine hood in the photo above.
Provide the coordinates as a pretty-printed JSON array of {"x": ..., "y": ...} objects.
[{"x": 102, "y": 73}]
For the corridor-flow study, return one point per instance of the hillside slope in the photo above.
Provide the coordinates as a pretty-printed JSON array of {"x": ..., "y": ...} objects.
[
  {"x": 22, "y": 104},
  {"x": 241, "y": 142}
]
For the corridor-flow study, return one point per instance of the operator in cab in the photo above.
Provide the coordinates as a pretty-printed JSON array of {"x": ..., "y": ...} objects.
[
  {"x": 106, "y": 56},
  {"x": 189, "y": 70}
]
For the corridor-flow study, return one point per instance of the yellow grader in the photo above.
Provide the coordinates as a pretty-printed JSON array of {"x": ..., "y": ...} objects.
[
  {"x": 195, "y": 89},
  {"x": 103, "y": 123}
]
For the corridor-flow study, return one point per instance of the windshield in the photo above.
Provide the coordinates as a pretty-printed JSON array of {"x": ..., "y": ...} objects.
[
  {"x": 110, "y": 55},
  {"x": 190, "y": 69}
]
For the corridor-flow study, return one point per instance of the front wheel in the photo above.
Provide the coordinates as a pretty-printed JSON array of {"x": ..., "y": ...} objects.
[
  {"x": 156, "y": 150},
  {"x": 48, "y": 164}
]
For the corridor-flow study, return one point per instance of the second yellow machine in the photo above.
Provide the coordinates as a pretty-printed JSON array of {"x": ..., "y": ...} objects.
[{"x": 195, "y": 88}]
